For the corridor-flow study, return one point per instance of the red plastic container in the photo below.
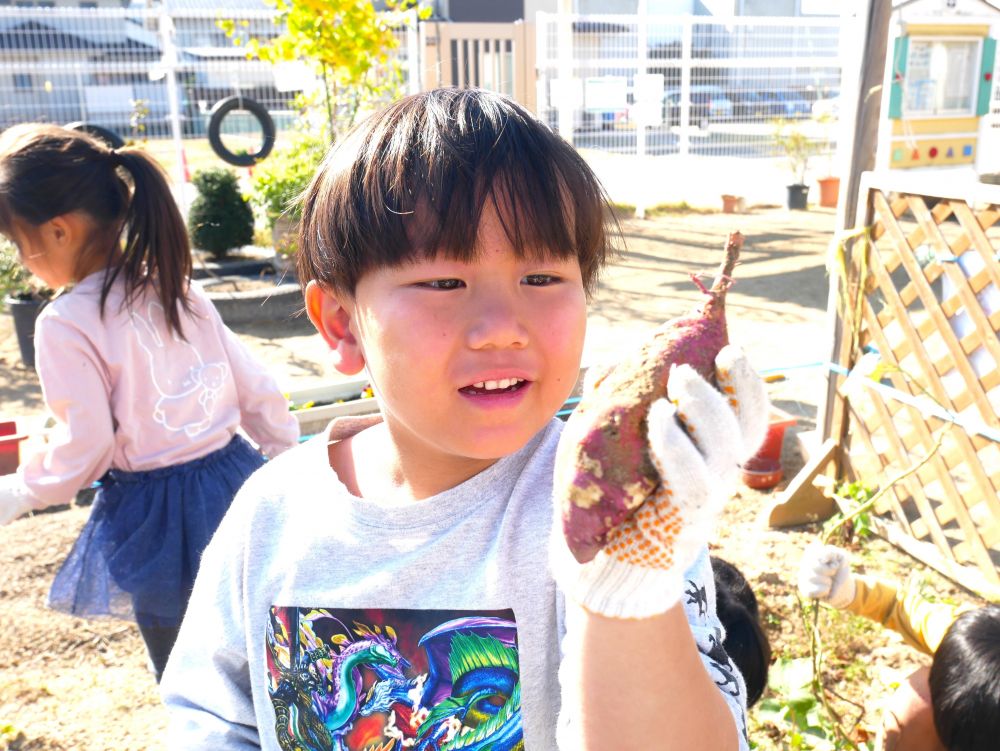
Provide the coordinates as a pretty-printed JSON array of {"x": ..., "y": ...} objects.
[
  {"x": 761, "y": 474},
  {"x": 10, "y": 441},
  {"x": 764, "y": 470}
]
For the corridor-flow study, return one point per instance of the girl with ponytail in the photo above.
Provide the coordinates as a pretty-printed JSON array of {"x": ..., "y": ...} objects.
[{"x": 146, "y": 384}]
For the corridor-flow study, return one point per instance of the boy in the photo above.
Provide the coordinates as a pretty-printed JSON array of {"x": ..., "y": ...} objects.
[
  {"x": 955, "y": 704},
  {"x": 388, "y": 585}
]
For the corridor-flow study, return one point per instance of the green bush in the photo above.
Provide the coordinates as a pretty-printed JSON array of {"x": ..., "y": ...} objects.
[
  {"x": 220, "y": 218},
  {"x": 281, "y": 178},
  {"x": 15, "y": 280}
]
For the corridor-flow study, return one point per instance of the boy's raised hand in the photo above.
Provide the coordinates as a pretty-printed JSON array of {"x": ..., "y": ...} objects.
[
  {"x": 640, "y": 571},
  {"x": 825, "y": 574}
]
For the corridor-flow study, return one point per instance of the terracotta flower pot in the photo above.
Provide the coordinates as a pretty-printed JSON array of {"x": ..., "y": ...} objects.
[
  {"x": 730, "y": 203},
  {"x": 829, "y": 191}
]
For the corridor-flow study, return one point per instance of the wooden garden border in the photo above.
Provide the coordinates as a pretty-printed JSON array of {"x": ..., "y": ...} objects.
[{"x": 925, "y": 325}]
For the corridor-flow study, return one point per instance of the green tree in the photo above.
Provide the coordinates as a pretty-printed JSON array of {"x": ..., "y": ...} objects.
[{"x": 347, "y": 42}]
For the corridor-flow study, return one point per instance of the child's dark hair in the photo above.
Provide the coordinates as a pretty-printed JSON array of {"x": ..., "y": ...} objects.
[
  {"x": 965, "y": 682},
  {"x": 746, "y": 642},
  {"x": 413, "y": 179},
  {"x": 47, "y": 171}
]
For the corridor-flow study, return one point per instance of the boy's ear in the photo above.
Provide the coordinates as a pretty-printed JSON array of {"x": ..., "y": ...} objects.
[{"x": 332, "y": 319}]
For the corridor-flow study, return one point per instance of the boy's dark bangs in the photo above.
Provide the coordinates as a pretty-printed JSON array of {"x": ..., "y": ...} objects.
[
  {"x": 527, "y": 193},
  {"x": 416, "y": 182}
]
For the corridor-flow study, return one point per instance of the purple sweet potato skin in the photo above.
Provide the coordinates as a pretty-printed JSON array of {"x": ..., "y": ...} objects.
[{"x": 603, "y": 471}]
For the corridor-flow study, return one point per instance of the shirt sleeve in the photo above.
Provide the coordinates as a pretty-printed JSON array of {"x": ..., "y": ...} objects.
[
  {"x": 709, "y": 635},
  {"x": 700, "y": 610},
  {"x": 206, "y": 686},
  {"x": 264, "y": 412},
  {"x": 77, "y": 391},
  {"x": 920, "y": 622}
]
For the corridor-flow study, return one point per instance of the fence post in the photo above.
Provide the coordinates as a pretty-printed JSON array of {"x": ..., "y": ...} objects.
[
  {"x": 81, "y": 98},
  {"x": 564, "y": 48},
  {"x": 684, "y": 119},
  {"x": 414, "y": 58},
  {"x": 169, "y": 63},
  {"x": 642, "y": 30}
]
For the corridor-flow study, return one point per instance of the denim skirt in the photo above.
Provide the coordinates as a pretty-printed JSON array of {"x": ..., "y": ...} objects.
[{"x": 138, "y": 553}]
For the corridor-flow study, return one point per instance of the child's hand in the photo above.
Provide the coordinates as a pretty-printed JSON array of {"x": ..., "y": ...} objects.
[
  {"x": 825, "y": 574},
  {"x": 15, "y": 499},
  {"x": 640, "y": 571}
]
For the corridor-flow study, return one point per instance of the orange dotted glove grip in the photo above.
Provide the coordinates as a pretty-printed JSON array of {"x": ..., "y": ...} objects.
[{"x": 697, "y": 438}]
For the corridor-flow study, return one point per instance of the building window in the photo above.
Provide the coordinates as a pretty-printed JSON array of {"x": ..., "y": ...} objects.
[
  {"x": 941, "y": 77},
  {"x": 22, "y": 81}
]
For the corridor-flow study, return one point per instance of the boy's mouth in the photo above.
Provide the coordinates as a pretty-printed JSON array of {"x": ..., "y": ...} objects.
[{"x": 500, "y": 386}]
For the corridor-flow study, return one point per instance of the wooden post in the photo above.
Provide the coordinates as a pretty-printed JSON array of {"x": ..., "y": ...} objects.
[
  {"x": 859, "y": 157},
  {"x": 859, "y": 133}
]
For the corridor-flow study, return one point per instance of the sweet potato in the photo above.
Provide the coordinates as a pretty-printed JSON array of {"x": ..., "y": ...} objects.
[{"x": 603, "y": 472}]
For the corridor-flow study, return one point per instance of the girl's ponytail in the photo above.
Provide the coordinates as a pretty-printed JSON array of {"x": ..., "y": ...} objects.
[
  {"x": 47, "y": 171},
  {"x": 156, "y": 247}
]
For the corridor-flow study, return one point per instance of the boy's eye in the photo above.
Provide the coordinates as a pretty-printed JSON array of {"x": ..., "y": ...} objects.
[
  {"x": 443, "y": 284},
  {"x": 540, "y": 280}
]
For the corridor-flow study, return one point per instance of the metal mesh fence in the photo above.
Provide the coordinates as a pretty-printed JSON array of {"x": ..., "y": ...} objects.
[
  {"x": 114, "y": 67},
  {"x": 688, "y": 85}
]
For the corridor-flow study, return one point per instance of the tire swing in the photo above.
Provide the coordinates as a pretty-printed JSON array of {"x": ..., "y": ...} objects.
[
  {"x": 109, "y": 137},
  {"x": 222, "y": 108}
]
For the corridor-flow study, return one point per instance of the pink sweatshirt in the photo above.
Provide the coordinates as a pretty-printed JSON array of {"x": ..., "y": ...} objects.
[{"x": 128, "y": 394}]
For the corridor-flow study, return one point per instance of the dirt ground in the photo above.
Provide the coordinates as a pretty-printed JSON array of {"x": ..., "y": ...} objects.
[{"x": 83, "y": 685}]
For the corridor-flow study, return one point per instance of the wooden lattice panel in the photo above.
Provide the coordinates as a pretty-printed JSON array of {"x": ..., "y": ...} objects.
[{"x": 924, "y": 302}]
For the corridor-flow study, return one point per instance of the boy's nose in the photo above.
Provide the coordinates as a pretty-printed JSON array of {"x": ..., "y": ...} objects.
[{"x": 497, "y": 323}]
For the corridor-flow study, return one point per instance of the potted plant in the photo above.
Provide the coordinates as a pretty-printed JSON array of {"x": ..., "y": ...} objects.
[
  {"x": 23, "y": 295},
  {"x": 798, "y": 148},
  {"x": 829, "y": 185},
  {"x": 220, "y": 219},
  {"x": 277, "y": 183}
]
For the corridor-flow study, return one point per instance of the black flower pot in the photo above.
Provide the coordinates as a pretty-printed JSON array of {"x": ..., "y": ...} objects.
[
  {"x": 797, "y": 195},
  {"x": 25, "y": 311}
]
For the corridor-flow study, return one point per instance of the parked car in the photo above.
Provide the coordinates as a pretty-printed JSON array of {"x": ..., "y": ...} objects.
[
  {"x": 752, "y": 105},
  {"x": 708, "y": 104},
  {"x": 786, "y": 103}
]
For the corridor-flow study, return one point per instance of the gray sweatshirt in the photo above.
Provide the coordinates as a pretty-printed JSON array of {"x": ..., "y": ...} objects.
[{"x": 320, "y": 620}]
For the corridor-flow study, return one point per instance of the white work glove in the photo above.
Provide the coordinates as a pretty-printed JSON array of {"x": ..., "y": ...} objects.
[
  {"x": 15, "y": 498},
  {"x": 825, "y": 574},
  {"x": 639, "y": 573}
]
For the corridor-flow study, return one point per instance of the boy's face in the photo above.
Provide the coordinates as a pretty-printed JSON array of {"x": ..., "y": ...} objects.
[{"x": 470, "y": 360}]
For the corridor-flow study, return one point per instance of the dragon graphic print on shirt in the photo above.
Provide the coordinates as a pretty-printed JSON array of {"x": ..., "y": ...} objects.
[{"x": 389, "y": 680}]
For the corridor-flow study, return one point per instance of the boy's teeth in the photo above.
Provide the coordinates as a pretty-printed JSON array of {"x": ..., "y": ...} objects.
[{"x": 503, "y": 383}]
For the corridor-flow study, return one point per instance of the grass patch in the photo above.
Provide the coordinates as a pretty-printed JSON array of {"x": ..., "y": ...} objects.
[
  {"x": 681, "y": 207},
  {"x": 627, "y": 210}
]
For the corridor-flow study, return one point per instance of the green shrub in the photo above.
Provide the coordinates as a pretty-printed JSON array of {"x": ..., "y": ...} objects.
[
  {"x": 220, "y": 218},
  {"x": 15, "y": 280},
  {"x": 282, "y": 177}
]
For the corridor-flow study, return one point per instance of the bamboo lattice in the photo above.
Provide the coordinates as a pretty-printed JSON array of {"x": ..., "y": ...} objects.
[{"x": 923, "y": 302}]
